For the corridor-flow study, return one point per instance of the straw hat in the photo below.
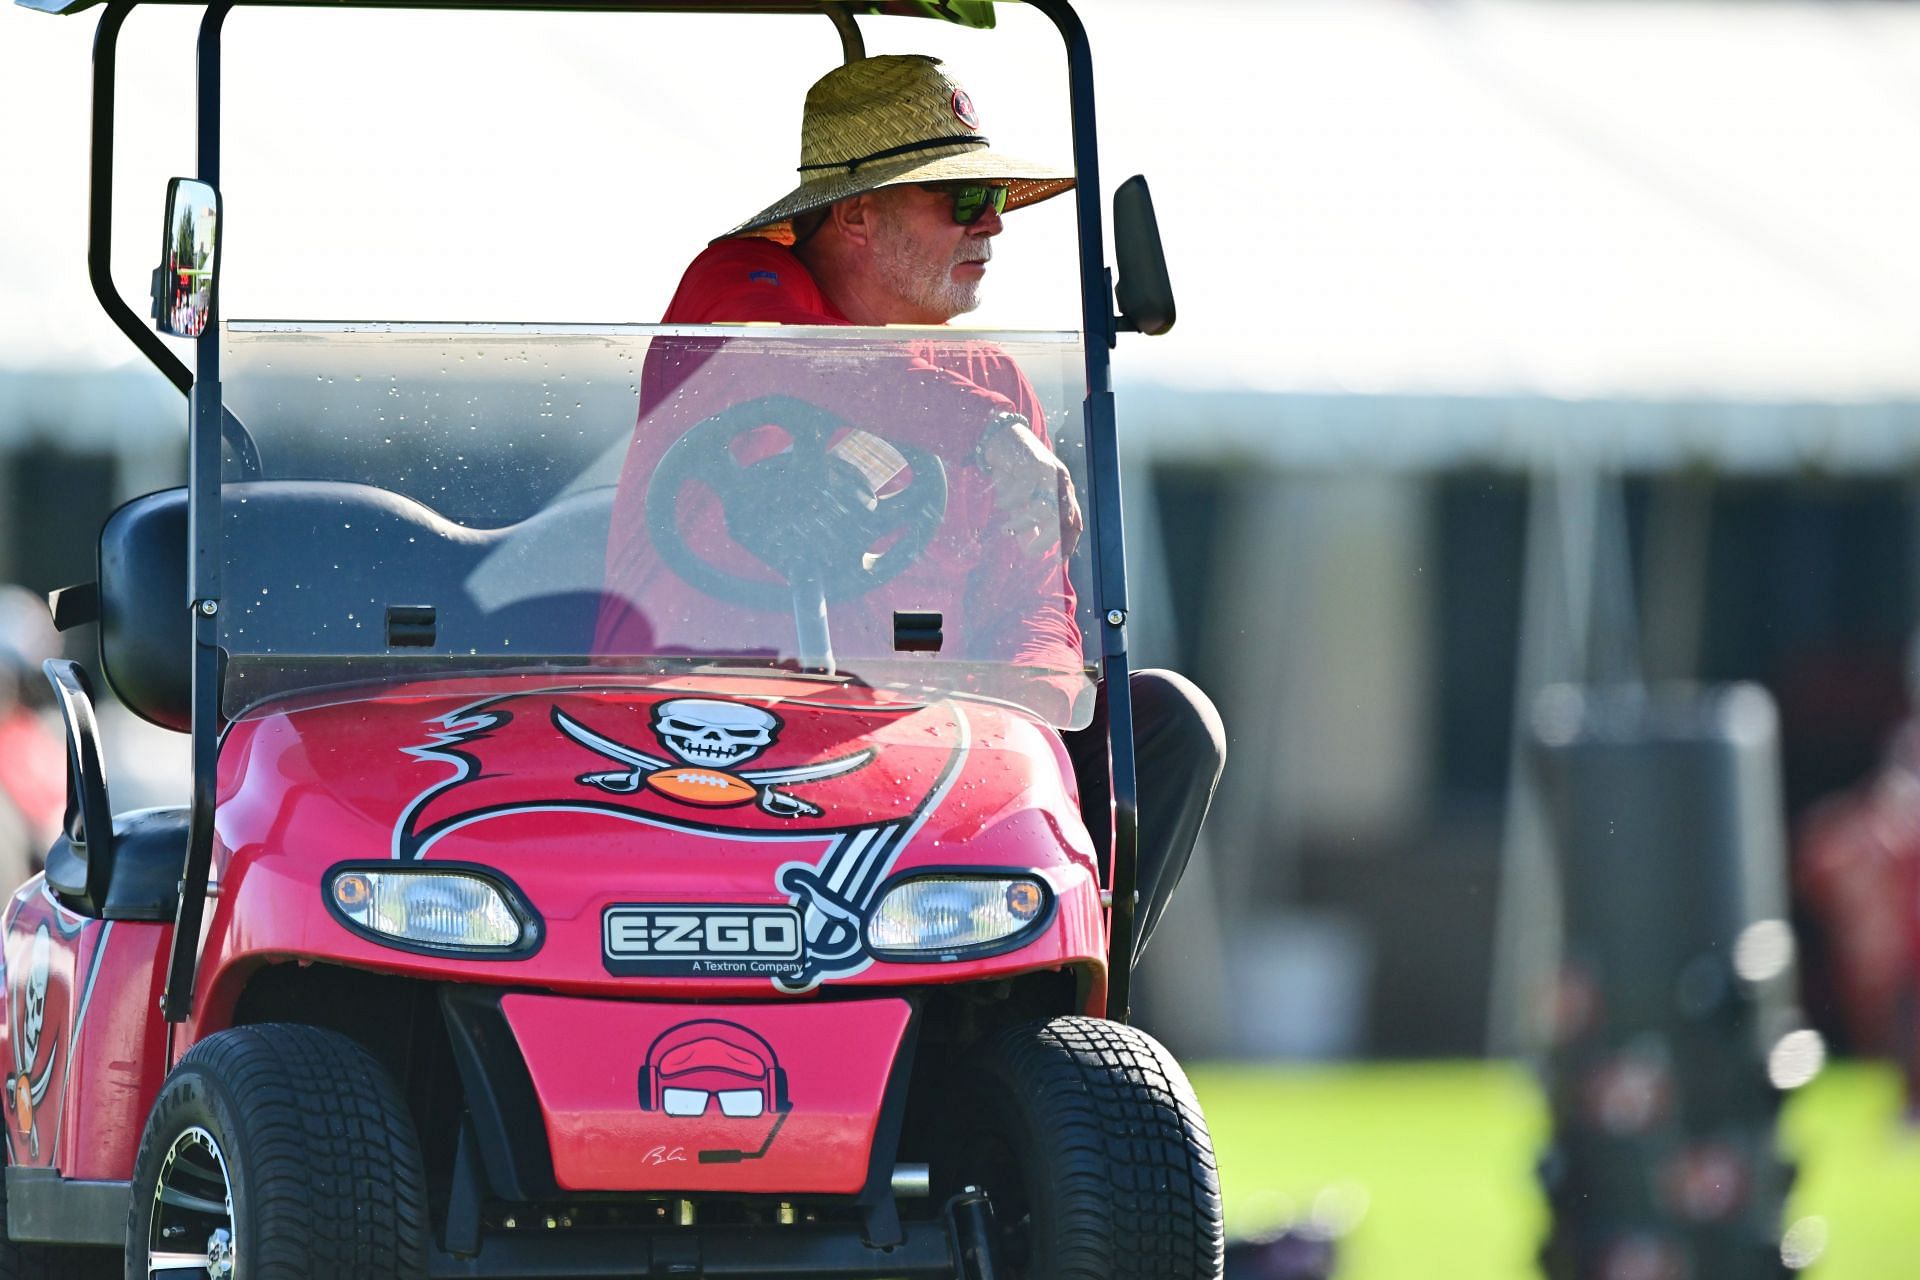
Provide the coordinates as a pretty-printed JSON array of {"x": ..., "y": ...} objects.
[{"x": 886, "y": 122}]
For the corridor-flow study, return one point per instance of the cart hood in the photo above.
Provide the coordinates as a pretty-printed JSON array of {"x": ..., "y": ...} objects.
[{"x": 742, "y": 791}]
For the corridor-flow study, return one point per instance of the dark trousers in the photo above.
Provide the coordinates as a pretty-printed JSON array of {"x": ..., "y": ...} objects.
[{"x": 1179, "y": 749}]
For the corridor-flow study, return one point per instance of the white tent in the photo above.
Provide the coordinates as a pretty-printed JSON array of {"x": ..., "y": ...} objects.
[{"x": 1633, "y": 202}]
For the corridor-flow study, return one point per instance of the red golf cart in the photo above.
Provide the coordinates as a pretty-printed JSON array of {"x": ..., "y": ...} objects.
[{"x": 776, "y": 944}]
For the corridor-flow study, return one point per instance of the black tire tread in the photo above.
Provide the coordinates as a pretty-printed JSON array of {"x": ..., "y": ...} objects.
[
  {"x": 1135, "y": 1190},
  {"x": 336, "y": 1186}
]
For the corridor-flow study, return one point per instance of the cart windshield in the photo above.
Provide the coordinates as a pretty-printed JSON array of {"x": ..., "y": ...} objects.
[{"x": 441, "y": 499}]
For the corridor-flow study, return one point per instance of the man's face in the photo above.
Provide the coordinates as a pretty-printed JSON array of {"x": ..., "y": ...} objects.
[{"x": 931, "y": 264}]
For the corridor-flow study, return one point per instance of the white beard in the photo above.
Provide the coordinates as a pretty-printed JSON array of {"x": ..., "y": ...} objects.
[{"x": 916, "y": 276}]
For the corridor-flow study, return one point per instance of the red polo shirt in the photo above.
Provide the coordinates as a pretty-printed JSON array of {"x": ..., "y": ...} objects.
[
  {"x": 741, "y": 281},
  {"x": 998, "y": 604}
]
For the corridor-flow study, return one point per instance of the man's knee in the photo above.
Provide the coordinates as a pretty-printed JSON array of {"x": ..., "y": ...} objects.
[{"x": 1174, "y": 719}]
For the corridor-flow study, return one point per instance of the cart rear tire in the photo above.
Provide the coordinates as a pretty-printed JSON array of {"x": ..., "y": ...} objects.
[
  {"x": 292, "y": 1141},
  {"x": 1089, "y": 1142}
]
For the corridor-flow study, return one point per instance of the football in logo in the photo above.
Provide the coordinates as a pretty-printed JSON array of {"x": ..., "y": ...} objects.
[
  {"x": 963, "y": 110},
  {"x": 702, "y": 786}
]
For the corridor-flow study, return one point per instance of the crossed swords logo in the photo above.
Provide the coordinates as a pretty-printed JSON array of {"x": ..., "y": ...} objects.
[{"x": 709, "y": 735}]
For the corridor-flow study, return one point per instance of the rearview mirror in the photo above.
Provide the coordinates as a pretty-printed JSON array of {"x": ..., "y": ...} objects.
[
  {"x": 189, "y": 250},
  {"x": 1143, "y": 290}
]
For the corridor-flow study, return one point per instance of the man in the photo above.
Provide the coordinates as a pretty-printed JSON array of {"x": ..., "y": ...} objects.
[{"x": 893, "y": 223}]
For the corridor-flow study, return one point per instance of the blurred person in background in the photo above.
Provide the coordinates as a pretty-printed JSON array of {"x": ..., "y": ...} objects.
[
  {"x": 33, "y": 777},
  {"x": 1857, "y": 867}
]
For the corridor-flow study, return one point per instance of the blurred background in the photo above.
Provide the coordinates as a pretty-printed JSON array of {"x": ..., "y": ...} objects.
[{"x": 1523, "y": 344}]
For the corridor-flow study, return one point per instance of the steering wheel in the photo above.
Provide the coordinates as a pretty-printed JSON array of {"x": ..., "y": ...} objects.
[{"x": 806, "y": 513}]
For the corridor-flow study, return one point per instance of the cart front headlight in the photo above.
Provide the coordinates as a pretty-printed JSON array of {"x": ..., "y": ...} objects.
[
  {"x": 438, "y": 910},
  {"x": 939, "y": 917}
]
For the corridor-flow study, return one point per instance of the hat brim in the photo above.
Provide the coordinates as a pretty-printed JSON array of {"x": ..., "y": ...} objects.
[{"x": 1027, "y": 183}]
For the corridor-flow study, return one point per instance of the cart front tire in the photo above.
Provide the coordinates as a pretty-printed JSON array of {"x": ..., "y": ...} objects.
[
  {"x": 1089, "y": 1142},
  {"x": 283, "y": 1152}
]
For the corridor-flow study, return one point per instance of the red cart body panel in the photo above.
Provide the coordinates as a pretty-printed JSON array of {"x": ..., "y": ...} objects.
[
  {"x": 82, "y": 1039},
  {"x": 734, "y": 1098},
  {"x": 576, "y": 795}
]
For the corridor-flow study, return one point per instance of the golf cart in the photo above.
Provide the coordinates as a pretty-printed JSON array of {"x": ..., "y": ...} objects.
[{"x": 783, "y": 941}]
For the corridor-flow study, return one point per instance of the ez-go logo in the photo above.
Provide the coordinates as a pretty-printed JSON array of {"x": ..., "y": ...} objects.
[
  {"x": 720, "y": 941},
  {"x": 639, "y": 932}
]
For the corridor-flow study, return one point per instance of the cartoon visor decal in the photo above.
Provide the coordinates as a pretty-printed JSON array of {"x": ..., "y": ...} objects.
[{"x": 714, "y": 1082}]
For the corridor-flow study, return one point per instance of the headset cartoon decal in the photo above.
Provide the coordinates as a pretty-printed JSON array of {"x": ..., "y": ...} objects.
[
  {"x": 714, "y": 1083},
  {"x": 712, "y": 737}
]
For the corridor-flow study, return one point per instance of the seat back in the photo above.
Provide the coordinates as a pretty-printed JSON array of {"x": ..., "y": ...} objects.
[
  {"x": 146, "y": 632},
  {"x": 390, "y": 549}
]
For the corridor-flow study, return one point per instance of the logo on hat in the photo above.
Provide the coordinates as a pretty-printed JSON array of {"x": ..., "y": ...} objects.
[{"x": 963, "y": 109}]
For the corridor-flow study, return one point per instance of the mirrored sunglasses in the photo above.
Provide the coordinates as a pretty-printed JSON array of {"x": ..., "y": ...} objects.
[{"x": 972, "y": 199}]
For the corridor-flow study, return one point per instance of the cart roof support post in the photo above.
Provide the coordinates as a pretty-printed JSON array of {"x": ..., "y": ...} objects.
[
  {"x": 1103, "y": 472},
  {"x": 203, "y": 591}
]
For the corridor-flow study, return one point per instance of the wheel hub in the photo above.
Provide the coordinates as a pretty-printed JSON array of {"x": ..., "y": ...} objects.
[
  {"x": 220, "y": 1254},
  {"x": 193, "y": 1200}
]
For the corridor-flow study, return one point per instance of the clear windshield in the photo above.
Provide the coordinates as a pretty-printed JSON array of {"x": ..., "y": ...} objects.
[{"x": 441, "y": 498}]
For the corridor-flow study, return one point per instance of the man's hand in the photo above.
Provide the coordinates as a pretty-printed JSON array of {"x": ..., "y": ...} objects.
[{"x": 1032, "y": 491}]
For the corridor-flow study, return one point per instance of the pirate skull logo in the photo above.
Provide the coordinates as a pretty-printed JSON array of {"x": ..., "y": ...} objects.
[
  {"x": 35, "y": 1005},
  {"x": 713, "y": 734}
]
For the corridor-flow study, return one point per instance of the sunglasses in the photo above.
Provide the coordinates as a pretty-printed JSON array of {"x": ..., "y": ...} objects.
[
  {"x": 972, "y": 199},
  {"x": 738, "y": 1104}
]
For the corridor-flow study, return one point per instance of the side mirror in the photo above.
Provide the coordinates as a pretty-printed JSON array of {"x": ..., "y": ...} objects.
[
  {"x": 183, "y": 283},
  {"x": 1143, "y": 290}
]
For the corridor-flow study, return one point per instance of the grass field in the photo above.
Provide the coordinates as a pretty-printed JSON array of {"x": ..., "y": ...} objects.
[{"x": 1429, "y": 1167}]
